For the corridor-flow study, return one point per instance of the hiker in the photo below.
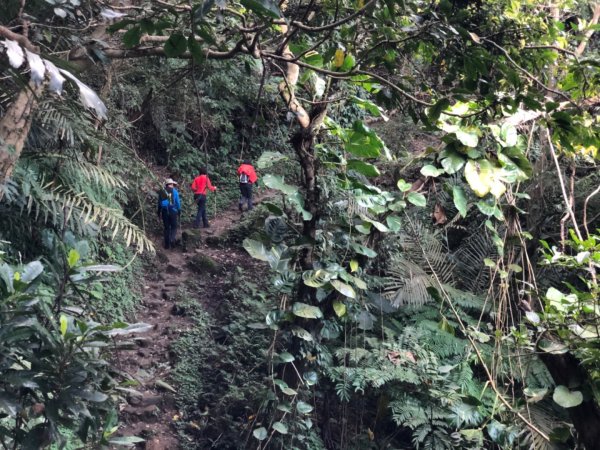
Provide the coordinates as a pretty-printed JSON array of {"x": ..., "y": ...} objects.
[
  {"x": 199, "y": 185},
  {"x": 247, "y": 179},
  {"x": 169, "y": 208}
]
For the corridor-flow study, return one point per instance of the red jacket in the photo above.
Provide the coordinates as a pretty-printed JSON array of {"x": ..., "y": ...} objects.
[
  {"x": 248, "y": 170},
  {"x": 200, "y": 183}
]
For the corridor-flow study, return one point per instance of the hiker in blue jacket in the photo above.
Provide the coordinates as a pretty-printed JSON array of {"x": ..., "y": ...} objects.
[{"x": 169, "y": 208}]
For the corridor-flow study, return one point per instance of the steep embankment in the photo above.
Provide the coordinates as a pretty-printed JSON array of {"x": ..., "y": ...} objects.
[{"x": 200, "y": 266}]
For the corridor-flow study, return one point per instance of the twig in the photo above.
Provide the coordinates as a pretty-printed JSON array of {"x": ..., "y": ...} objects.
[{"x": 562, "y": 184}]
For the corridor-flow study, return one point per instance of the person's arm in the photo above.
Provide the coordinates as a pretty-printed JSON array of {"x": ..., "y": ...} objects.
[
  {"x": 209, "y": 184},
  {"x": 176, "y": 200},
  {"x": 194, "y": 185}
]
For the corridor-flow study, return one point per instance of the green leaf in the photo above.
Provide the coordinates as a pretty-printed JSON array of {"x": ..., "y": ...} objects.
[
  {"x": 460, "y": 200},
  {"x": 263, "y": 7},
  {"x": 368, "y": 170},
  {"x": 286, "y": 357},
  {"x": 195, "y": 49},
  {"x": 277, "y": 182},
  {"x": 303, "y": 407},
  {"x": 285, "y": 406},
  {"x": 479, "y": 175},
  {"x": 452, "y": 162},
  {"x": 267, "y": 159},
  {"x": 125, "y": 440},
  {"x": 73, "y": 258},
  {"x": 31, "y": 271},
  {"x": 363, "y": 250},
  {"x": 431, "y": 171},
  {"x": 348, "y": 64},
  {"x": 339, "y": 308},
  {"x": 132, "y": 37},
  {"x": 566, "y": 398},
  {"x": 343, "y": 288},
  {"x": 307, "y": 311},
  {"x": 417, "y": 199},
  {"x": 314, "y": 59},
  {"x": 468, "y": 136},
  {"x": 437, "y": 109},
  {"x": 310, "y": 377},
  {"x": 444, "y": 325},
  {"x": 64, "y": 324},
  {"x": 394, "y": 223},
  {"x": 176, "y": 45},
  {"x": 260, "y": 433},
  {"x": 316, "y": 278},
  {"x": 256, "y": 249},
  {"x": 280, "y": 427},
  {"x": 403, "y": 185}
]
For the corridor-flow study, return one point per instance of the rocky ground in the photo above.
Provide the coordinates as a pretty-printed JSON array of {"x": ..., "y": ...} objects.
[{"x": 150, "y": 408}]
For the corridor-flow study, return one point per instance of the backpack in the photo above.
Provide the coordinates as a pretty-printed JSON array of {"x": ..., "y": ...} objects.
[
  {"x": 165, "y": 199},
  {"x": 244, "y": 178}
]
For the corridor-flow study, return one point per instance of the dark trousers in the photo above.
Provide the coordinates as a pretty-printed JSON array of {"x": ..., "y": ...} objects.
[
  {"x": 201, "y": 215},
  {"x": 246, "y": 194},
  {"x": 170, "y": 227}
]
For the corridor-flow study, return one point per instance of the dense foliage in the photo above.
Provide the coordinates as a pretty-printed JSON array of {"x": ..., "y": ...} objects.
[{"x": 426, "y": 291}]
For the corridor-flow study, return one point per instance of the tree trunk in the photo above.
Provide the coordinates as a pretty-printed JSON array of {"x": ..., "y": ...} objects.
[{"x": 14, "y": 127}]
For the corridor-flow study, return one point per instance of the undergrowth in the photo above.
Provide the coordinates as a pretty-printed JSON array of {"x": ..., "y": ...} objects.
[{"x": 222, "y": 366}]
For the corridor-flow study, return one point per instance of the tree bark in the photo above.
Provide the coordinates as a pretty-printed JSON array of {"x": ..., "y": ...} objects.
[{"x": 14, "y": 127}]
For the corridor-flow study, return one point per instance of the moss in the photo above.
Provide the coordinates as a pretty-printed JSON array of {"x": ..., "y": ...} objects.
[{"x": 204, "y": 263}]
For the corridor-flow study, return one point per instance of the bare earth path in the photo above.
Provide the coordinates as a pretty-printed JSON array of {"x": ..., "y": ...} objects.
[{"x": 150, "y": 409}]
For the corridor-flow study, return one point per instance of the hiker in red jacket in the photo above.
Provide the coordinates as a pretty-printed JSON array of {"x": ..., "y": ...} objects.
[
  {"x": 199, "y": 186},
  {"x": 247, "y": 179}
]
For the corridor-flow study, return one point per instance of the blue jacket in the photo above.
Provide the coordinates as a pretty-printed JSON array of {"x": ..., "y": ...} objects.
[{"x": 169, "y": 201}]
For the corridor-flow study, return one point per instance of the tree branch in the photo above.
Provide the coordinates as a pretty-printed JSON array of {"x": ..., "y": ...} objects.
[
  {"x": 8, "y": 34},
  {"x": 589, "y": 33}
]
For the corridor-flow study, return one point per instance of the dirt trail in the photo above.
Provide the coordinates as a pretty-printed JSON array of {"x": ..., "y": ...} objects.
[{"x": 150, "y": 411}]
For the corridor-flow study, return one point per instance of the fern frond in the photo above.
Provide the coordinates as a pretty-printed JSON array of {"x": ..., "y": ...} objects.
[{"x": 406, "y": 284}]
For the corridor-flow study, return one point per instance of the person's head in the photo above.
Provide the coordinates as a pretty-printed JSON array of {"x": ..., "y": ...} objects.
[
  {"x": 246, "y": 161},
  {"x": 170, "y": 184},
  {"x": 202, "y": 170}
]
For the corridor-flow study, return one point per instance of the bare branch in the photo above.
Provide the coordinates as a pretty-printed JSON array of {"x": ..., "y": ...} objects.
[
  {"x": 8, "y": 34},
  {"x": 590, "y": 32}
]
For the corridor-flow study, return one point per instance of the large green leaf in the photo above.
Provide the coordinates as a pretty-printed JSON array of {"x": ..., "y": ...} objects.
[
  {"x": 277, "y": 182},
  {"x": 267, "y": 159},
  {"x": 363, "y": 142},
  {"x": 316, "y": 278},
  {"x": 303, "y": 407},
  {"x": 260, "y": 433},
  {"x": 266, "y": 8},
  {"x": 343, "y": 288},
  {"x": 176, "y": 45},
  {"x": 368, "y": 170},
  {"x": 479, "y": 175},
  {"x": 566, "y": 398},
  {"x": 280, "y": 427},
  {"x": 256, "y": 249},
  {"x": 132, "y": 37},
  {"x": 460, "y": 200},
  {"x": 307, "y": 311}
]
